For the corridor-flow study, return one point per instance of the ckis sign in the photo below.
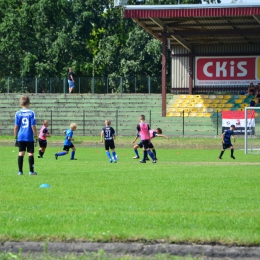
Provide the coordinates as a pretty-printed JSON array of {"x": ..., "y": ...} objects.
[{"x": 227, "y": 70}]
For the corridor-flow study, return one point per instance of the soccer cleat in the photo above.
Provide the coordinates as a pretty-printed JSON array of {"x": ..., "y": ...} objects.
[
  {"x": 32, "y": 173},
  {"x": 56, "y": 156},
  {"x": 219, "y": 158},
  {"x": 233, "y": 157},
  {"x": 40, "y": 156},
  {"x": 154, "y": 161},
  {"x": 20, "y": 173},
  {"x": 142, "y": 161},
  {"x": 110, "y": 161},
  {"x": 147, "y": 159},
  {"x": 136, "y": 157}
]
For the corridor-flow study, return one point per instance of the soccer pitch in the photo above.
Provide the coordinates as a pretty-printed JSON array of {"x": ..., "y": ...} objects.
[{"x": 189, "y": 196}]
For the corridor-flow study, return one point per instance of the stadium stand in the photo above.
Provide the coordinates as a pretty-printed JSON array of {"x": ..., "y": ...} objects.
[{"x": 202, "y": 116}]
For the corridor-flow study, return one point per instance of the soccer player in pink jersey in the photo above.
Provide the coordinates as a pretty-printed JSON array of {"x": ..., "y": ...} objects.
[
  {"x": 153, "y": 133},
  {"x": 44, "y": 133},
  {"x": 143, "y": 131}
]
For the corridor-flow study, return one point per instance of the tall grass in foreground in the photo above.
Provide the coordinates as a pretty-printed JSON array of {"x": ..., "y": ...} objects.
[{"x": 189, "y": 196}]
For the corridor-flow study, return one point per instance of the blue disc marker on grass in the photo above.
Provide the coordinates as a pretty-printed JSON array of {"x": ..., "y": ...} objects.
[{"x": 45, "y": 186}]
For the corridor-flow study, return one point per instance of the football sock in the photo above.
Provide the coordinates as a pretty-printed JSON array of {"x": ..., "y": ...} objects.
[
  {"x": 136, "y": 152},
  {"x": 61, "y": 153},
  {"x": 154, "y": 152},
  {"x": 151, "y": 154},
  {"x": 72, "y": 155},
  {"x": 20, "y": 163},
  {"x": 232, "y": 152},
  {"x": 222, "y": 152},
  {"x": 114, "y": 155},
  {"x": 31, "y": 163},
  {"x": 108, "y": 155},
  {"x": 145, "y": 155}
]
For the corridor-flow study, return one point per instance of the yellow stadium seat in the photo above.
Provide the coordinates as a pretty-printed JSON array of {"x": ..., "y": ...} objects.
[
  {"x": 221, "y": 105},
  {"x": 176, "y": 114},
  {"x": 219, "y": 96},
  {"x": 207, "y": 101},
  {"x": 238, "y": 101},
  {"x": 206, "y": 105},
  {"x": 194, "y": 110},
  {"x": 225, "y": 108},
  {"x": 213, "y": 105},
  {"x": 204, "y": 96},
  {"x": 200, "y": 101},
  {"x": 215, "y": 101},
  {"x": 190, "y": 105},
  {"x": 200, "y": 115},
  {"x": 175, "y": 105},
  {"x": 197, "y": 96},
  {"x": 185, "y": 101},
  {"x": 229, "y": 105},
  {"x": 169, "y": 114},
  {"x": 256, "y": 114},
  {"x": 193, "y": 100},
  {"x": 178, "y": 101},
  {"x": 227, "y": 96},
  {"x": 189, "y": 96},
  {"x": 240, "y": 109},
  {"x": 242, "y": 97},
  {"x": 192, "y": 114},
  {"x": 183, "y": 96},
  {"x": 207, "y": 114},
  {"x": 244, "y": 105},
  {"x": 212, "y": 96},
  {"x": 186, "y": 110},
  {"x": 172, "y": 109},
  {"x": 217, "y": 109},
  {"x": 198, "y": 105},
  {"x": 223, "y": 101},
  {"x": 185, "y": 114}
]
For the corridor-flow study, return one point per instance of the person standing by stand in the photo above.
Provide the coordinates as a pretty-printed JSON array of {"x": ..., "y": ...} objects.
[{"x": 71, "y": 80}]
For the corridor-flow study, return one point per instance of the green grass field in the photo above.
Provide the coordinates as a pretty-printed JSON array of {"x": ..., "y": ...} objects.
[{"x": 189, "y": 196}]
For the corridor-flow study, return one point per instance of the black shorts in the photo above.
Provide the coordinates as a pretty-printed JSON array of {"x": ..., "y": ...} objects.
[
  {"x": 109, "y": 144},
  {"x": 151, "y": 145},
  {"x": 225, "y": 146},
  {"x": 146, "y": 144},
  {"x": 42, "y": 143},
  {"x": 140, "y": 144},
  {"x": 67, "y": 147},
  {"x": 23, "y": 146}
]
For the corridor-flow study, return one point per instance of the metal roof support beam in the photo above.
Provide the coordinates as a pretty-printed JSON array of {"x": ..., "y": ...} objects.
[
  {"x": 175, "y": 37},
  {"x": 220, "y": 32},
  {"x": 164, "y": 53},
  {"x": 257, "y": 18}
]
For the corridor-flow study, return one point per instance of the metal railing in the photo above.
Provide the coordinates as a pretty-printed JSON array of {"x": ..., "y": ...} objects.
[{"x": 93, "y": 85}]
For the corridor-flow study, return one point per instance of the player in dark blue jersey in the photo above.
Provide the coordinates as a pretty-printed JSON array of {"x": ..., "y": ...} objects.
[
  {"x": 25, "y": 134},
  {"x": 226, "y": 141},
  {"x": 109, "y": 134},
  {"x": 67, "y": 144}
]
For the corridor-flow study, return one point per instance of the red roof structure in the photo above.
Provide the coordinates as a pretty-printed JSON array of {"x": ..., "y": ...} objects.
[{"x": 195, "y": 25}]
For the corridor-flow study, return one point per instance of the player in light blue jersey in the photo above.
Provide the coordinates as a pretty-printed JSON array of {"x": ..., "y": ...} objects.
[
  {"x": 68, "y": 143},
  {"x": 25, "y": 134}
]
